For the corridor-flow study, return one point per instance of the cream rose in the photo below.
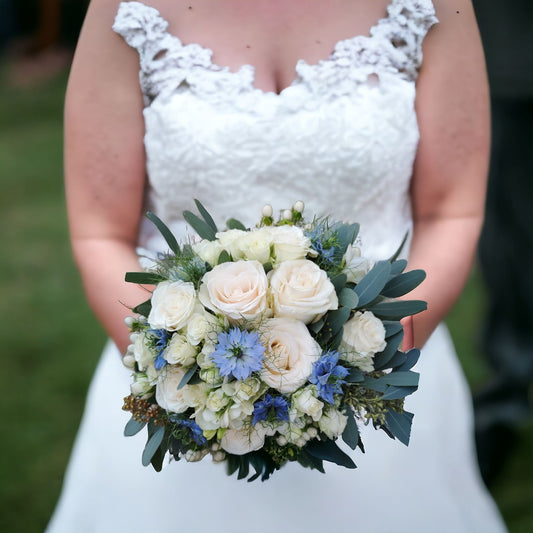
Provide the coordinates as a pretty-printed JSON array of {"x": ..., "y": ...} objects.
[
  {"x": 290, "y": 354},
  {"x": 363, "y": 336},
  {"x": 230, "y": 241},
  {"x": 237, "y": 290},
  {"x": 289, "y": 242},
  {"x": 256, "y": 244},
  {"x": 143, "y": 355},
  {"x": 241, "y": 441},
  {"x": 332, "y": 422},
  {"x": 141, "y": 386},
  {"x": 306, "y": 401},
  {"x": 300, "y": 289},
  {"x": 167, "y": 394},
  {"x": 179, "y": 351},
  {"x": 356, "y": 267},
  {"x": 172, "y": 304},
  {"x": 208, "y": 251}
]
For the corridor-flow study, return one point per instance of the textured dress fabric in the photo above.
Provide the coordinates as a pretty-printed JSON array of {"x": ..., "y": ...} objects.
[{"x": 342, "y": 137}]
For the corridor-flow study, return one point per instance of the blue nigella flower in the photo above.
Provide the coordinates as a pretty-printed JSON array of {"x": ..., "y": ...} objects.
[
  {"x": 238, "y": 353},
  {"x": 162, "y": 337},
  {"x": 277, "y": 407},
  {"x": 328, "y": 376},
  {"x": 318, "y": 237},
  {"x": 195, "y": 430}
]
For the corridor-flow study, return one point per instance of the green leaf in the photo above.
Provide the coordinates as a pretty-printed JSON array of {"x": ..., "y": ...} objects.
[
  {"x": 163, "y": 229},
  {"x": 328, "y": 451},
  {"x": 339, "y": 282},
  {"x": 335, "y": 342},
  {"x": 354, "y": 376},
  {"x": 224, "y": 257},
  {"x": 400, "y": 425},
  {"x": 403, "y": 283},
  {"x": 144, "y": 308},
  {"x": 159, "y": 456},
  {"x": 399, "y": 250},
  {"x": 348, "y": 298},
  {"x": 188, "y": 375},
  {"x": 203, "y": 229},
  {"x": 206, "y": 216},
  {"x": 350, "y": 434},
  {"x": 336, "y": 319},
  {"x": 244, "y": 467},
  {"x": 399, "y": 309},
  {"x": 401, "y": 379},
  {"x": 152, "y": 445},
  {"x": 393, "y": 343},
  {"x": 398, "y": 266},
  {"x": 391, "y": 328},
  {"x": 411, "y": 358},
  {"x": 372, "y": 284},
  {"x": 144, "y": 278},
  {"x": 233, "y": 223},
  {"x": 397, "y": 393},
  {"x": 315, "y": 327},
  {"x": 346, "y": 235},
  {"x": 398, "y": 360},
  {"x": 133, "y": 427},
  {"x": 374, "y": 384},
  {"x": 232, "y": 463}
]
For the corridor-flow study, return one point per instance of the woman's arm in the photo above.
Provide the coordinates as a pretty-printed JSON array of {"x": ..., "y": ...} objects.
[
  {"x": 105, "y": 167},
  {"x": 448, "y": 187}
]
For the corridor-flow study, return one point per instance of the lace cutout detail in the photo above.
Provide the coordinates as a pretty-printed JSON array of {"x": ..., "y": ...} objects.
[{"x": 394, "y": 46}]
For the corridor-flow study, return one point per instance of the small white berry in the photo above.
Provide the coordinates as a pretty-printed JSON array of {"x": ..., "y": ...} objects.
[
  {"x": 298, "y": 206},
  {"x": 287, "y": 214},
  {"x": 267, "y": 211},
  {"x": 282, "y": 440},
  {"x": 129, "y": 361},
  {"x": 219, "y": 456},
  {"x": 129, "y": 321},
  {"x": 133, "y": 337}
]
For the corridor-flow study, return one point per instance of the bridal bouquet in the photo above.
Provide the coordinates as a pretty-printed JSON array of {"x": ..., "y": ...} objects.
[{"x": 267, "y": 345}]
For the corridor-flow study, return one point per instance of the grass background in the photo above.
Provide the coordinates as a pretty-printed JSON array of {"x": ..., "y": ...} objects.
[{"x": 50, "y": 342}]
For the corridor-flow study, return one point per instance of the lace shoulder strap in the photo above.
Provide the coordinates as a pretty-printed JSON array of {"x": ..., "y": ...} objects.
[
  {"x": 405, "y": 27},
  {"x": 145, "y": 30}
]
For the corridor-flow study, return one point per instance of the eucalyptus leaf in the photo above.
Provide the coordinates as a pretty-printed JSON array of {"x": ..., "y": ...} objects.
[
  {"x": 382, "y": 359},
  {"x": 403, "y": 283},
  {"x": 350, "y": 435},
  {"x": 374, "y": 384},
  {"x": 391, "y": 328},
  {"x": 201, "y": 227},
  {"x": 411, "y": 358},
  {"x": 328, "y": 451},
  {"x": 144, "y": 308},
  {"x": 133, "y": 427},
  {"x": 315, "y": 327},
  {"x": 224, "y": 257},
  {"x": 397, "y": 310},
  {"x": 206, "y": 216},
  {"x": 339, "y": 282},
  {"x": 188, "y": 376},
  {"x": 244, "y": 467},
  {"x": 346, "y": 235},
  {"x": 144, "y": 278},
  {"x": 163, "y": 229},
  {"x": 398, "y": 360},
  {"x": 398, "y": 266},
  {"x": 336, "y": 340},
  {"x": 348, "y": 298},
  {"x": 400, "y": 425},
  {"x": 371, "y": 285},
  {"x": 401, "y": 379},
  {"x": 258, "y": 464},
  {"x": 233, "y": 223},
  {"x": 397, "y": 393},
  {"x": 232, "y": 464},
  {"x": 336, "y": 319},
  {"x": 152, "y": 445},
  {"x": 354, "y": 376}
]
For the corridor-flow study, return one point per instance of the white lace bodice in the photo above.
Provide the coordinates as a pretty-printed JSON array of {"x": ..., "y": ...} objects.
[{"x": 342, "y": 137}]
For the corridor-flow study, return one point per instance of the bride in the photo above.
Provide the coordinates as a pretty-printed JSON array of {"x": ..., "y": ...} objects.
[{"x": 240, "y": 104}]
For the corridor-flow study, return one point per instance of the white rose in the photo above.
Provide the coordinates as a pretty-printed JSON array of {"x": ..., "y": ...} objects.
[
  {"x": 230, "y": 241},
  {"x": 363, "y": 336},
  {"x": 290, "y": 354},
  {"x": 207, "y": 420},
  {"x": 201, "y": 325},
  {"x": 211, "y": 375},
  {"x": 245, "y": 390},
  {"x": 241, "y": 441},
  {"x": 167, "y": 394},
  {"x": 332, "y": 422},
  {"x": 141, "y": 386},
  {"x": 179, "y": 351},
  {"x": 255, "y": 245},
  {"x": 289, "y": 242},
  {"x": 300, "y": 289},
  {"x": 172, "y": 304},
  {"x": 195, "y": 396},
  {"x": 238, "y": 413},
  {"x": 143, "y": 355},
  {"x": 305, "y": 401},
  {"x": 216, "y": 400},
  {"x": 356, "y": 267},
  {"x": 208, "y": 251},
  {"x": 237, "y": 290}
]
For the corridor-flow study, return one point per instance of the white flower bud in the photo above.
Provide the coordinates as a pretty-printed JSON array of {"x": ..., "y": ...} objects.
[
  {"x": 129, "y": 321},
  {"x": 219, "y": 456},
  {"x": 287, "y": 214},
  {"x": 129, "y": 361},
  {"x": 215, "y": 447},
  {"x": 298, "y": 206},
  {"x": 133, "y": 337},
  {"x": 267, "y": 210},
  {"x": 282, "y": 440},
  {"x": 301, "y": 442},
  {"x": 312, "y": 432},
  {"x": 192, "y": 456}
]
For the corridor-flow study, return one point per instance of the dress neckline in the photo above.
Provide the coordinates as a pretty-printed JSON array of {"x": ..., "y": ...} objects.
[{"x": 341, "y": 43}]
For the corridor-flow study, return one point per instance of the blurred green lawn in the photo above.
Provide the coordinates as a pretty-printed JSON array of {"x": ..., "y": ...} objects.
[{"x": 50, "y": 341}]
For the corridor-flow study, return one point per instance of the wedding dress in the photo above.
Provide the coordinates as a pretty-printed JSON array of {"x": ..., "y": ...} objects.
[{"x": 342, "y": 137}]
